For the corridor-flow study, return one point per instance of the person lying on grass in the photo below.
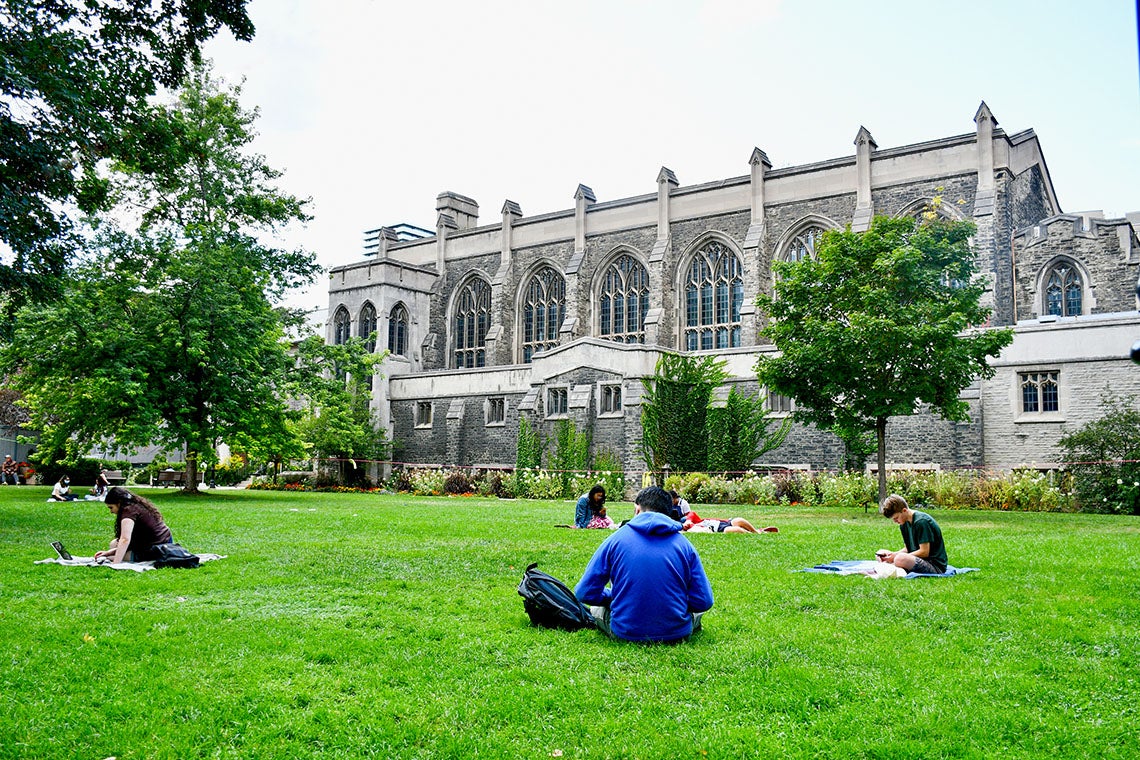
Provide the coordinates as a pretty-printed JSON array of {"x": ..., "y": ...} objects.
[
  {"x": 645, "y": 582},
  {"x": 138, "y": 528},
  {"x": 713, "y": 525},
  {"x": 924, "y": 551}
]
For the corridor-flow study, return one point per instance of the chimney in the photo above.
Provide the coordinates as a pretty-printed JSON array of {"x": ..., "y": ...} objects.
[{"x": 462, "y": 209}]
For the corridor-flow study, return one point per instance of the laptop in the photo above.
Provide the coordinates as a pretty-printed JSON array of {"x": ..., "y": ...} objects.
[{"x": 63, "y": 553}]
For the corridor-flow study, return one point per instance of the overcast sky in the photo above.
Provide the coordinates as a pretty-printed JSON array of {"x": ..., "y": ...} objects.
[{"x": 373, "y": 108}]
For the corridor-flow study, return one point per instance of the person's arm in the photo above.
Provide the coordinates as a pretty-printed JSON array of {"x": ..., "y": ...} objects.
[
  {"x": 700, "y": 590},
  {"x": 592, "y": 589},
  {"x": 582, "y": 512},
  {"x": 126, "y": 528}
]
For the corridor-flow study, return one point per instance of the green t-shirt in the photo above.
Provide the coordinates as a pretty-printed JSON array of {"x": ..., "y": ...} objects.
[{"x": 923, "y": 530}]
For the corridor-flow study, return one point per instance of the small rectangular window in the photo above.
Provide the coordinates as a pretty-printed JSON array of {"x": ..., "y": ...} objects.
[
  {"x": 609, "y": 399},
  {"x": 423, "y": 414},
  {"x": 557, "y": 401},
  {"x": 496, "y": 411},
  {"x": 778, "y": 404},
  {"x": 1039, "y": 393}
]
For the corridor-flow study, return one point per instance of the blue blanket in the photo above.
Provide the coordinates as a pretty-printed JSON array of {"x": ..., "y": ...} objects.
[{"x": 867, "y": 567}]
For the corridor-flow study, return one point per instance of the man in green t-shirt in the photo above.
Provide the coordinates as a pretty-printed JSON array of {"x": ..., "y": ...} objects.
[{"x": 925, "y": 551}]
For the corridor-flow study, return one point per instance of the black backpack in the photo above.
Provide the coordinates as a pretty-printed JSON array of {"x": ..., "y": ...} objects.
[{"x": 550, "y": 604}]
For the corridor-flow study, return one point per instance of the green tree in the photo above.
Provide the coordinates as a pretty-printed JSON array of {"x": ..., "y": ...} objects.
[
  {"x": 75, "y": 78},
  {"x": 738, "y": 432},
  {"x": 1104, "y": 458},
  {"x": 674, "y": 411},
  {"x": 333, "y": 384},
  {"x": 168, "y": 333},
  {"x": 878, "y": 323}
]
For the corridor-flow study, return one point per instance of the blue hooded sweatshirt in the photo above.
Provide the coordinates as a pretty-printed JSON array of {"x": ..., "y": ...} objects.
[{"x": 655, "y": 576}]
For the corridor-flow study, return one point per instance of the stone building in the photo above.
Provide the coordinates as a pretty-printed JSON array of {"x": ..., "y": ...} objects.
[{"x": 561, "y": 315}]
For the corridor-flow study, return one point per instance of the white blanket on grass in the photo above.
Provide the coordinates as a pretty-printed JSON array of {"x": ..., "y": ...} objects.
[{"x": 138, "y": 567}]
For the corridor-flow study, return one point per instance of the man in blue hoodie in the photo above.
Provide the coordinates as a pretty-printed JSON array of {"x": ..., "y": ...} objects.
[{"x": 657, "y": 587}]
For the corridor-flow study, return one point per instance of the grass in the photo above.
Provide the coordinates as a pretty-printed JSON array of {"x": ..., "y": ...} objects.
[{"x": 357, "y": 625}]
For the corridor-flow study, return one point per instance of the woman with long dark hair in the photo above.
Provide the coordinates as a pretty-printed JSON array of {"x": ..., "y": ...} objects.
[
  {"x": 589, "y": 505},
  {"x": 138, "y": 527}
]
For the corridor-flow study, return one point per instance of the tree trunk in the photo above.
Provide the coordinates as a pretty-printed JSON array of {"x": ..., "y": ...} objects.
[
  {"x": 191, "y": 484},
  {"x": 881, "y": 457}
]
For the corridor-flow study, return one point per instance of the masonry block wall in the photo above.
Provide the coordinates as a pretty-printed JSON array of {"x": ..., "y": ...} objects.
[{"x": 1007, "y": 192}]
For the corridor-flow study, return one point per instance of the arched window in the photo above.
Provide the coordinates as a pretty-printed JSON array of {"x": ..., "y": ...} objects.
[
  {"x": 1063, "y": 290},
  {"x": 803, "y": 245},
  {"x": 342, "y": 326},
  {"x": 544, "y": 303},
  {"x": 472, "y": 319},
  {"x": 624, "y": 301},
  {"x": 714, "y": 293},
  {"x": 368, "y": 326},
  {"x": 398, "y": 330}
]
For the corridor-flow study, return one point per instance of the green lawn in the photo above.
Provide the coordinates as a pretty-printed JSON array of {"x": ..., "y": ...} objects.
[{"x": 355, "y": 625}]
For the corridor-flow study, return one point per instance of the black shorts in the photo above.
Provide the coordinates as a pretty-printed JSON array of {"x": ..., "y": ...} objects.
[
  {"x": 926, "y": 568},
  {"x": 722, "y": 525}
]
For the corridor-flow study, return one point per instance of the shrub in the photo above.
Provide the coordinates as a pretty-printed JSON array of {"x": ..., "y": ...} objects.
[
  {"x": 427, "y": 482},
  {"x": 400, "y": 481},
  {"x": 457, "y": 483},
  {"x": 230, "y": 472},
  {"x": 1104, "y": 458},
  {"x": 81, "y": 471},
  {"x": 716, "y": 491},
  {"x": 848, "y": 489},
  {"x": 755, "y": 489}
]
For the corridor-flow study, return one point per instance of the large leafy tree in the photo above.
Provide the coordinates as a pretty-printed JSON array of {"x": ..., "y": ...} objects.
[
  {"x": 879, "y": 323},
  {"x": 75, "y": 78},
  {"x": 168, "y": 331},
  {"x": 332, "y": 383}
]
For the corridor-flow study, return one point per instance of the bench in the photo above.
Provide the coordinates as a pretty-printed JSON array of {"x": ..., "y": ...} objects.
[
  {"x": 166, "y": 478},
  {"x": 115, "y": 477}
]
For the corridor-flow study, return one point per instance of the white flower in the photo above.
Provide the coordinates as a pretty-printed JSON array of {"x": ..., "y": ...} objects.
[{"x": 1119, "y": 482}]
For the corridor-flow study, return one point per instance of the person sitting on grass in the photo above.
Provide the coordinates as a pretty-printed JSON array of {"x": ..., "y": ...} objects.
[
  {"x": 61, "y": 491},
  {"x": 924, "y": 551},
  {"x": 645, "y": 582},
  {"x": 138, "y": 528},
  {"x": 590, "y": 505}
]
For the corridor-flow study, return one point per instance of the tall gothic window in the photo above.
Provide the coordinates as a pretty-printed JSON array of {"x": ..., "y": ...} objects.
[
  {"x": 542, "y": 311},
  {"x": 803, "y": 245},
  {"x": 368, "y": 326},
  {"x": 342, "y": 326},
  {"x": 398, "y": 330},
  {"x": 472, "y": 319},
  {"x": 714, "y": 294},
  {"x": 1063, "y": 289},
  {"x": 624, "y": 301}
]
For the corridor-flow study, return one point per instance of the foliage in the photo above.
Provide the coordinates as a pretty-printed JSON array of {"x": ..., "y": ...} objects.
[
  {"x": 674, "y": 411},
  {"x": 528, "y": 452},
  {"x": 333, "y": 384},
  {"x": 427, "y": 482},
  {"x": 81, "y": 471},
  {"x": 610, "y": 473},
  {"x": 74, "y": 89},
  {"x": 230, "y": 472},
  {"x": 738, "y": 432},
  {"x": 571, "y": 456},
  {"x": 457, "y": 484},
  {"x": 1104, "y": 458},
  {"x": 168, "y": 333},
  {"x": 879, "y": 323}
]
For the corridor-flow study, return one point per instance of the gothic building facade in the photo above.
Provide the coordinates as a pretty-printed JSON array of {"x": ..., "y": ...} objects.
[{"x": 561, "y": 315}]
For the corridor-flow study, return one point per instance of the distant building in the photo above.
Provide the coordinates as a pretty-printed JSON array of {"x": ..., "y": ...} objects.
[{"x": 561, "y": 315}]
